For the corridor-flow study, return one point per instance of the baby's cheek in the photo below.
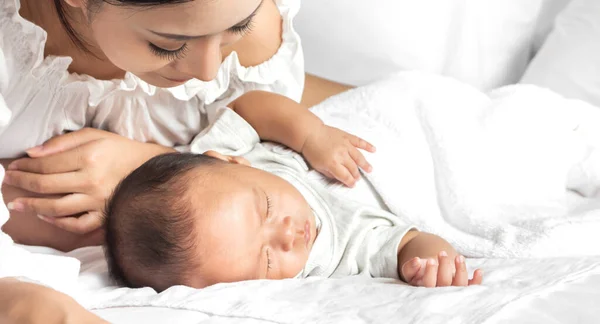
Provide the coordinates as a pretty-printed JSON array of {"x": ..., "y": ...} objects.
[{"x": 292, "y": 265}]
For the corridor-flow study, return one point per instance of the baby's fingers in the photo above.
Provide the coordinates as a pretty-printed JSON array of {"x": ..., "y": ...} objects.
[
  {"x": 361, "y": 144},
  {"x": 444, "y": 276},
  {"x": 360, "y": 160},
  {"x": 352, "y": 167},
  {"x": 461, "y": 278},
  {"x": 430, "y": 277},
  {"x": 477, "y": 277},
  {"x": 410, "y": 269},
  {"x": 342, "y": 174}
]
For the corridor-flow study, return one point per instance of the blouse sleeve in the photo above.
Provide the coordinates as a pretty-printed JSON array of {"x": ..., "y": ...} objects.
[{"x": 5, "y": 113}]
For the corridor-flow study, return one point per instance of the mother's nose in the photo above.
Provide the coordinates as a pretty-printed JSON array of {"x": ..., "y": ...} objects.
[{"x": 203, "y": 59}]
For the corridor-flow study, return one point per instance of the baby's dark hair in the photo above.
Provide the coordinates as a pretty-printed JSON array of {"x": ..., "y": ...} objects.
[{"x": 150, "y": 235}]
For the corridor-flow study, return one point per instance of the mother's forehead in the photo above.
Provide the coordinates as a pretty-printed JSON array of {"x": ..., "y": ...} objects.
[{"x": 193, "y": 18}]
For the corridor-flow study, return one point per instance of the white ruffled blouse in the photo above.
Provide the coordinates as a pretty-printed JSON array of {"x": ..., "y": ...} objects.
[{"x": 40, "y": 99}]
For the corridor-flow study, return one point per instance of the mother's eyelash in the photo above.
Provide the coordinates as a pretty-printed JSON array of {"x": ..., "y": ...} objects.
[
  {"x": 243, "y": 29},
  {"x": 167, "y": 54}
]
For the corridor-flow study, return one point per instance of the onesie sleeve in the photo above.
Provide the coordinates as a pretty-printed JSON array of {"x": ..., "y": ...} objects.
[
  {"x": 229, "y": 134},
  {"x": 378, "y": 254}
]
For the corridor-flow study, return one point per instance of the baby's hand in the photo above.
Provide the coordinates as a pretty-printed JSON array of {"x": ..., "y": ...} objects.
[
  {"x": 335, "y": 154},
  {"x": 439, "y": 273}
]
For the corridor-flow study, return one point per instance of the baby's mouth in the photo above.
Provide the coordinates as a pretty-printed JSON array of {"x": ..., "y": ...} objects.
[{"x": 307, "y": 234}]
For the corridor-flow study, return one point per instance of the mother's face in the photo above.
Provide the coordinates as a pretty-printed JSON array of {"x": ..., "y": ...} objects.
[{"x": 166, "y": 45}]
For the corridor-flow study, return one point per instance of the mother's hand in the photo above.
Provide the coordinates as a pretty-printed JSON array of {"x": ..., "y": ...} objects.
[{"x": 80, "y": 170}]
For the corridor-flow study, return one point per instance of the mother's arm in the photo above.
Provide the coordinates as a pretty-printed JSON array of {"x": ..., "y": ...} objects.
[{"x": 317, "y": 89}]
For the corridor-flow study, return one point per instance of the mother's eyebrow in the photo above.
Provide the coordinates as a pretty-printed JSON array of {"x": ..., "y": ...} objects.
[{"x": 179, "y": 37}]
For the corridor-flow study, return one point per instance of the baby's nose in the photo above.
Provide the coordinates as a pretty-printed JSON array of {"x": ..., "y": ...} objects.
[{"x": 287, "y": 234}]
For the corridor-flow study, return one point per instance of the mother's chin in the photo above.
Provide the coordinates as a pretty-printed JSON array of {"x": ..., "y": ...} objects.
[{"x": 27, "y": 229}]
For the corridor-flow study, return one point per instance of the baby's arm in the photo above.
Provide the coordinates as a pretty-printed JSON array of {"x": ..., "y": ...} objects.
[
  {"x": 428, "y": 260},
  {"x": 277, "y": 118},
  {"x": 329, "y": 150}
]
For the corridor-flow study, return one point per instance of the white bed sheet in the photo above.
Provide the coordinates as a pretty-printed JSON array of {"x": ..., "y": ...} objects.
[
  {"x": 574, "y": 302},
  {"x": 553, "y": 290}
]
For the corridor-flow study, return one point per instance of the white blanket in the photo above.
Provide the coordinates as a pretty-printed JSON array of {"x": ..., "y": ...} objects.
[{"x": 513, "y": 173}]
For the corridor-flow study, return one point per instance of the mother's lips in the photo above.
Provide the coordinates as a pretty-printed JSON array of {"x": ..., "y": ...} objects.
[{"x": 178, "y": 80}]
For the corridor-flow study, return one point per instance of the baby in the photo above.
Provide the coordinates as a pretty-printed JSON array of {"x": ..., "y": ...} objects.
[{"x": 257, "y": 211}]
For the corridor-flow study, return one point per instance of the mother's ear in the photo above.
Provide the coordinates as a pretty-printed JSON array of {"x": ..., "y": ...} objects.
[
  {"x": 77, "y": 3},
  {"x": 228, "y": 158},
  {"x": 82, "y": 5}
]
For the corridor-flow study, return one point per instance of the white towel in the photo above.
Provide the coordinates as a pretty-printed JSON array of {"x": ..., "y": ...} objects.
[{"x": 498, "y": 175}]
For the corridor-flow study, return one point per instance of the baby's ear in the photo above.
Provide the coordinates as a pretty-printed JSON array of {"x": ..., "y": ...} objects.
[
  {"x": 228, "y": 158},
  {"x": 239, "y": 160}
]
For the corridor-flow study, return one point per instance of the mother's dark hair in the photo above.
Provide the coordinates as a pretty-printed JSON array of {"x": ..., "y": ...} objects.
[{"x": 97, "y": 4}]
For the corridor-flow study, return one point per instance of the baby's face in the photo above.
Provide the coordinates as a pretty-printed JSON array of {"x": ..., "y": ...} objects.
[{"x": 250, "y": 224}]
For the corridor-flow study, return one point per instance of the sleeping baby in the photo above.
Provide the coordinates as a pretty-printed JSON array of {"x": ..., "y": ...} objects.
[{"x": 257, "y": 210}]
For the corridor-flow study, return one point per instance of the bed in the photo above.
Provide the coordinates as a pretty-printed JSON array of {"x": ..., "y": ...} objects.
[
  {"x": 484, "y": 43},
  {"x": 551, "y": 290}
]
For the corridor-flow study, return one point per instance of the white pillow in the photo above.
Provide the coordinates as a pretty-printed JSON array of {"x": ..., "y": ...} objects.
[
  {"x": 487, "y": 43},
  {"x": 548, "y": 12},
  {"x": 569, "y": 60}
]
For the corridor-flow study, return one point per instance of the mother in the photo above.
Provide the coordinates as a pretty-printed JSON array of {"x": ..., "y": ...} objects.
[{"x": 145, "y": 75}]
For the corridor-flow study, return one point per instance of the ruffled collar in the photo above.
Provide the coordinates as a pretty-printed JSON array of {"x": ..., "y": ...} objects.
[{"x": 264, "y": 73}]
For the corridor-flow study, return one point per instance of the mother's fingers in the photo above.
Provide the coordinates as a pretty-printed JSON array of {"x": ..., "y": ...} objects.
[
  {"x": 59, "y": 183},
  {"x": 61, "y": 162},
  {"x": 67, "y": 142},
  {"x": 56, "y": 207},
  {"x": 83, "y": 224}
]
